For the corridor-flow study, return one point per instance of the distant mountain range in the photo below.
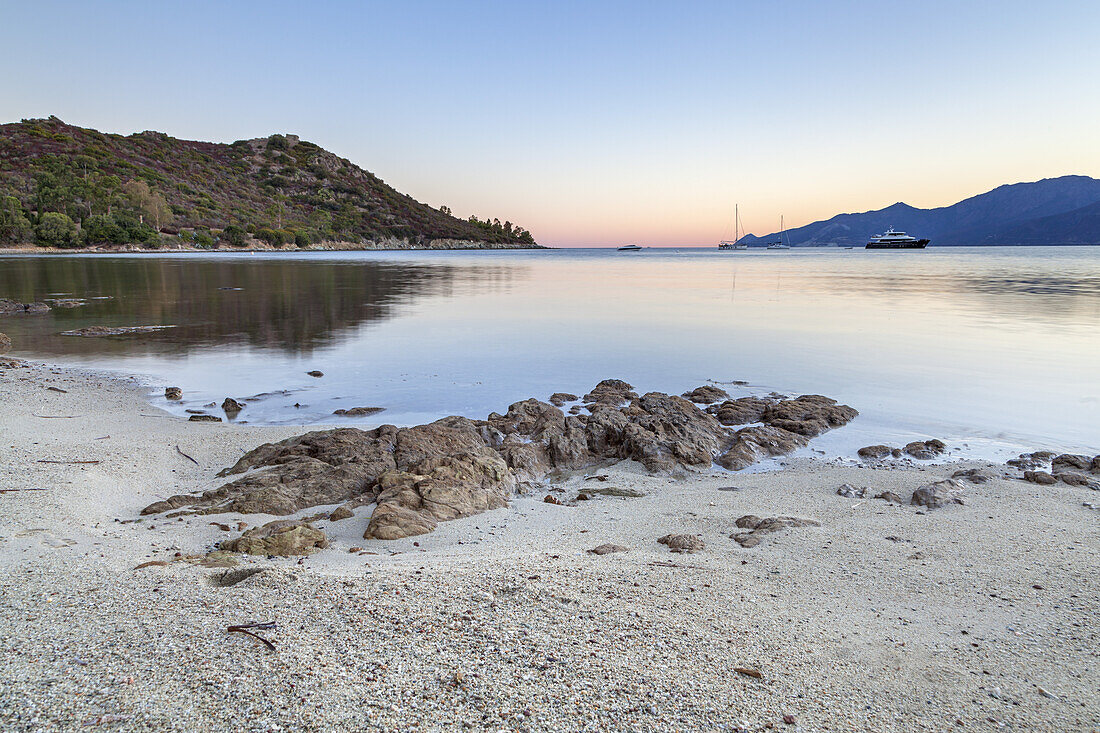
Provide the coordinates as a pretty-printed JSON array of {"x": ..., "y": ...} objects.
[{"x": 1052, "y": 211}]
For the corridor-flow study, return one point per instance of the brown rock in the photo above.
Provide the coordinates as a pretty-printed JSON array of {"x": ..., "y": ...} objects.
[
  {"x": 757, "y": 442},
  {"x": 706, "y": 394},
  {"x": 95, "y": 331},
  {"x": 1075, "y": 479},
  {"x": 204, "y": 418},
  {"x": 682, "y": 542},
  {"x": 173, "y": 393},
  {"x": 1070, "y": 462},
  {"x": 282, "y": 538},
  {"x": 808, "y": 415},
  {"x": 315, "y": 373},
  {"x": 938, "y": 494},
  {"x": 231, "y": 406},
  {"x": 925, "y": 449},
  {"x": 550, "y": 499},
  {"x": 851, "y": 492},
  {"x": 608, "y": 549},
  {"x": 759, "y": 527},
  {"x": 875, "y": 452},
  {"x": 5, "y": 343},
  {"x": 560, "y": 398},
  {"x": 740, "y": 411},
  {"x": 1039, "y": 477},
  {"x": 611, "y": 392},
  {"x": 890, "y": 496},
  {"x": 1031, "y": 461},
  {"x": 13, "y": 307},
  {"x": 340, "y": 512}
]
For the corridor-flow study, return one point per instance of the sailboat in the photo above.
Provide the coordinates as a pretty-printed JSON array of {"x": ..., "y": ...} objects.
[
  {"x": 735, "y": 243},
  {"x": 779, "y": 244}
]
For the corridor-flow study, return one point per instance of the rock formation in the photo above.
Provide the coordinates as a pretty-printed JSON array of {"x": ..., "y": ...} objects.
[
  {"x": 759, "y": 527},
  {"x": 938, "y": 494},
  {"x": 419, "y": 476},
  {"x": 682, "y": 543}
]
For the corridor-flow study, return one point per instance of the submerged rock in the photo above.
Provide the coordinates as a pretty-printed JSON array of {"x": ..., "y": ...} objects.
[
  {"x": 759, "y": 527},
  {"x": 231, "y": 406},
  {"x": 10, "y": 307},
  {"x": 204, "y": 418},
  {"x": 938, "y": 494},
  {"x": 94, "y": 331},
  {"x": 418, "y": 476},
  {"x": 359, "y": 411},
  {"x": 706, "y": 394},
  {"x": 283, "y": 538},
  {"x": 315, "y": 373},
  {"x": 683, "y": 543},
  {"x": 1031, "y": 461},
  {"x": 173, "y": 393}
]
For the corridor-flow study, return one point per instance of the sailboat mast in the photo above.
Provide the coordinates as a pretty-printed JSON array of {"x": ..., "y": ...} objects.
[{"x": 735, "y": 218}]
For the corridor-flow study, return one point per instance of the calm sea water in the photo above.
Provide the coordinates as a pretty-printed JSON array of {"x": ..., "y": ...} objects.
[{"x": 996, "y": 349}]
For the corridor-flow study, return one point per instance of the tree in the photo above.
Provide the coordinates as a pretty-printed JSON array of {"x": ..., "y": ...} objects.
[
  {"x": 148, "y": 203},
  {"x": 233, "y": 235},
  {"x": 56, "y": 230},
  {"x": 446, "y": 210},
  {"x": 14, "y": 225}
]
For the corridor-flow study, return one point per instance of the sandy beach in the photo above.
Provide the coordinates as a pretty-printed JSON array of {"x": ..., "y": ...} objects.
[{"x": 885, "y": 617}]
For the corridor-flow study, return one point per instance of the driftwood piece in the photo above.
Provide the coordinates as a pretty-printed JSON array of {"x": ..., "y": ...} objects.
[
  {"x": 56, "y": 417},
  {"x": 245, "y": 629},
  {"x": 186, "y": 456},
  {"x": 46, "y": 460}
]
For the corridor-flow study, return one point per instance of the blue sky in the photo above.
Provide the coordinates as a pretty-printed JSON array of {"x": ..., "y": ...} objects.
[{"x": 597, "y": 122}]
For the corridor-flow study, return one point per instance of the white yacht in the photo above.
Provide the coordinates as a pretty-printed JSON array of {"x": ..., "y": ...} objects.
[
  {"x": 779, "y": 243},
  {"x": 896, "y": 240},
  {"x": 735, "y": 243}
]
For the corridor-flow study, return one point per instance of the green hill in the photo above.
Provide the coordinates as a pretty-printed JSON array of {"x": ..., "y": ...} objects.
[{"x": 66, "y": 186}]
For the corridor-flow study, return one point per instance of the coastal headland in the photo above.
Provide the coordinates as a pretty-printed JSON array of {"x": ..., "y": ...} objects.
[{"x": 897, "y": 593}]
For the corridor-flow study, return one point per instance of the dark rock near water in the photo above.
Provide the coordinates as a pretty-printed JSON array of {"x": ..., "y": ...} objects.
[
  {"x": 1039, "y": 477},
  {"x": 173, "y": 393},
  {"x": 612, "y": 392},
  {"x": 359, "y": 411},
  {"x": 706, "y": 394},
  {"x": 282, "y": 538},
  {"x": 10, "y": 307},
  {"x": 315, "y": 373},
  {"x": 1070, "y": 462},
  {"x": 925, "y": 450},
  {"x": 759, "y": 527},
  {"x": 231, "y": 406},
  {"x": 204, "y": 418},
  {"x": 455, "y": 467},
  {"x": 938, "y": 494},
  {"x": 808, "y": 415},
  {"x": 683, "y": 542},
  {"x": 740, "y": 411},
  {"x": 875, "y": 452},
  {"x": 1073, "y": 478},
  {"x": 560, "y": 398},
  {"x": 1031, "y": 461}
]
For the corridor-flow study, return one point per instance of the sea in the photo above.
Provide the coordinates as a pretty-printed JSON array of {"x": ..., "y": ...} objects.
[{"x": 995, "y": 350}]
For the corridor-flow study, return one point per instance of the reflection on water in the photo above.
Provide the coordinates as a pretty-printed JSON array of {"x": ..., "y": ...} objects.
[{"x": 992, "y": 345}]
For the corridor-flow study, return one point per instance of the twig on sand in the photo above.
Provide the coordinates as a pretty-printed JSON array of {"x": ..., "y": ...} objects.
[
  {"x": 244, "y": 629},
  {"x": 46, "y": 460},
  {"x": 103, "y": 438},
  {"x": 597, "y": 477},
  {"x": 186, "y": 456},
  {"x": 37, "y": 488},
  {"x": 666, "y": 564},
  {"x": 58, "y": 389},
  {"x": 56, "y": 417}
]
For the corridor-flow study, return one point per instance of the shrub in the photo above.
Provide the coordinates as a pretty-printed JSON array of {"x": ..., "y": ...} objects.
[
  {"x": 233, "y": 235},
  {"x": 302, "y": 238},
  {"x": 103, "y": 229},
  {"x": 56, "y": 230},
  {"x": 273, "y": 237},
  {"x": 204, "y": 240},
  {"x": 276, "y": 142}
]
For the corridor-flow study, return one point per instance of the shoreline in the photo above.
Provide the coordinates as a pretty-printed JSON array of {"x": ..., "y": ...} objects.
[
  {"x": 445, "y": 245},
  {"x": 884, "y": 617}
]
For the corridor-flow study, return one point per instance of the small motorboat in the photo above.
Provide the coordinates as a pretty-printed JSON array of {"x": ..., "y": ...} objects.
[{"x": 630, "y": 248}]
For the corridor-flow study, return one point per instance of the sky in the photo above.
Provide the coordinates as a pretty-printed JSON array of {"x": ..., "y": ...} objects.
[{"x": 597, "y": 123}]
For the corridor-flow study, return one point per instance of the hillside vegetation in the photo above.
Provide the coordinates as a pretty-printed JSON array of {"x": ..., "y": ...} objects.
[{"x": 67, "y": 186}]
